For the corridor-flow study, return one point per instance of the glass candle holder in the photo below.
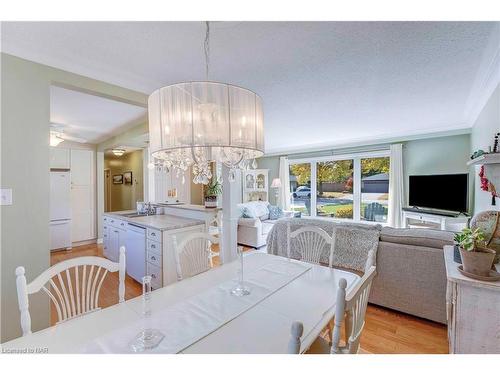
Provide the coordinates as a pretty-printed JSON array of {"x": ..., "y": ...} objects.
[{"x": 241, "y": 289}]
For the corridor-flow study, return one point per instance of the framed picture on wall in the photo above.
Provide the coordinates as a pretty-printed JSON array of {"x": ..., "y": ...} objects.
[
  {"x": 117, "y": 179},
  {"x": 127, "y": 178}
]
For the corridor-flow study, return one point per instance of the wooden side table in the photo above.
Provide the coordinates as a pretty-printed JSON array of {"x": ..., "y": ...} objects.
[{"x": 473, "y": 311}]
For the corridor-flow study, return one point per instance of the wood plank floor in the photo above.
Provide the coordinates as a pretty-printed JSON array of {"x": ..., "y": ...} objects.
[{"x": 385, "y": 332}]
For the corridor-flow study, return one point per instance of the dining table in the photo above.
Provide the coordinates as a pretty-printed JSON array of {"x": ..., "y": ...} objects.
[{"x": 200, "y": 315}]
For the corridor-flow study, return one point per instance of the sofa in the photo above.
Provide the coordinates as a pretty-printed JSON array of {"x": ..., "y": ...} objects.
[
  {"x": 253, "y": 231},
  {"x": 411, "y": 275}
]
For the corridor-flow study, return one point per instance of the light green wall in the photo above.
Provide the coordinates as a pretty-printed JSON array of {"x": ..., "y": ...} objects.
[
  {"x": 424, "y": 156},
  {"x": 124, "y": 196},
  {"x": 483, "y": 133},
  {"x": 25, "y": 117},
  {"x": 443, "y": 155}
]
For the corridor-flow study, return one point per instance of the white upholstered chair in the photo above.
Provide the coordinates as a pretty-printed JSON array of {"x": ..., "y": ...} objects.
[
  {"x": 193, "y": 255},
  {"x": 309, "y": 242},
  {"x": 73, "y": 286}
]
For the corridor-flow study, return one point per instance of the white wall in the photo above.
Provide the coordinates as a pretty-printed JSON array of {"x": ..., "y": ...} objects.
[{"x": 483, "y": 132}]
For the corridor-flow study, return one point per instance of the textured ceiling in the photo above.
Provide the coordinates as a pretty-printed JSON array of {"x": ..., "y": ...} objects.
[
  {"x": 91, "y": 117},
  {"x": 322, "y": 83}
]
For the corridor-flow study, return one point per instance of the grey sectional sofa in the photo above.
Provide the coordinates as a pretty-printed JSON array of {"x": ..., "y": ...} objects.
[{"x": 411, "y": 275}]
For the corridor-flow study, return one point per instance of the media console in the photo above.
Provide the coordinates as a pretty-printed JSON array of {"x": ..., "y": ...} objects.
[{"x": 428, "y": 218}]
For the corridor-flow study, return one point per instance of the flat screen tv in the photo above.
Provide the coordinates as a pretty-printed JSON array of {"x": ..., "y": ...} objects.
[{"x": 448, "y": 192}]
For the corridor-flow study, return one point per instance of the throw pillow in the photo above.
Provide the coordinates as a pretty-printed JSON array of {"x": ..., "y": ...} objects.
[
  {"x": 246, "y": 213},
  {"x": 274, "y": 212}
]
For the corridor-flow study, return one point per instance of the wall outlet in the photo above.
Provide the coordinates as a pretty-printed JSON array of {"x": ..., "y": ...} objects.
[{"x": 5, "y": 197}]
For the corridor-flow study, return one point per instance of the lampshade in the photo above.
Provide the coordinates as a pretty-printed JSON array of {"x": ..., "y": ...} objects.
[
  {"x": 194, "y": 123},
  {"x": 276, "y": 183}
]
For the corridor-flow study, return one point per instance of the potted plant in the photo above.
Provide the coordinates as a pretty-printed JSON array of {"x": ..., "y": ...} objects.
[
  {"x": 476, "y": 258},
  {"x": 212, "y": 191}
]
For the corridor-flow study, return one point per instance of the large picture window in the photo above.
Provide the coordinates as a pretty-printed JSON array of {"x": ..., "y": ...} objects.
[{"x": 348, "y": 187}]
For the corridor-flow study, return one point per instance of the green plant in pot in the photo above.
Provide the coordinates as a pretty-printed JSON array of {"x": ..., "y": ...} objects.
[
  {"x": 212, "y": 191},
  {"x": 476, "y": 257}
]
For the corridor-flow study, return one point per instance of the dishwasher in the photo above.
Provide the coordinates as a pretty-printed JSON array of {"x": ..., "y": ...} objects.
[{"x": 135, "y": 246}]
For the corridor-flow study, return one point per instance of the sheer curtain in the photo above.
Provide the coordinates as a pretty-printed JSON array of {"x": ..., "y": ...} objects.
[
  {"x": 284, "y": 175},
  {"x": 396, "y": 190}
]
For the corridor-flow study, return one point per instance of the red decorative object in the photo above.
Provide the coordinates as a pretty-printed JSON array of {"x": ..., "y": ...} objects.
[{"x": 486, "y": 185}]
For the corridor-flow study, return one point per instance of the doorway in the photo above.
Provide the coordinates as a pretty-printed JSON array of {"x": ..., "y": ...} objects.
[{"x": 107, "y": 190}]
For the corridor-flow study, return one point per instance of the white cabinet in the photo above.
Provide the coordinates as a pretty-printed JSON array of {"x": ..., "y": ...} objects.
[
  {"x": 113, "y": 238},
  {"x": 59, "y": 158},
  {"x": 255, "y": 185},
  {"x": 472, "y": 308},
  {"x": 163, "y": 183},
  {"x": 82, "y": 195}
]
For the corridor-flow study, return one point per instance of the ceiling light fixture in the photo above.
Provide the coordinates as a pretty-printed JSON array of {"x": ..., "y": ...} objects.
[
  {"x": 194, "y": 123},
  {"x": 118, "y": 151}
]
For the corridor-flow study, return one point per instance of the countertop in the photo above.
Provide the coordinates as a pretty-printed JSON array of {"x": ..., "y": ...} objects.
[
  {"x": 192, "y": 207},
  {"x": 160, "y": 222}
]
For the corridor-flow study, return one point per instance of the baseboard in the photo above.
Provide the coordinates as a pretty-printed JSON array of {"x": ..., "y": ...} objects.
[{"x": 86, "y": 242}]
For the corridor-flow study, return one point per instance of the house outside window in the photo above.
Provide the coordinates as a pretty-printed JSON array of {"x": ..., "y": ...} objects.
[{"x": 345, "y": 187}]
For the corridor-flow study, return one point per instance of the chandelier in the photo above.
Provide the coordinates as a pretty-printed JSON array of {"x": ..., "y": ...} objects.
[{"x": 195, "y": 123}]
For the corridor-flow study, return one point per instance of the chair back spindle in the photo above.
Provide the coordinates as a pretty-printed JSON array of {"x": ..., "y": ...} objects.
[
  {"x": 310, "y": 242},
  {"x": 73, "y": 286},
  {"x": 193, "y": 255}
]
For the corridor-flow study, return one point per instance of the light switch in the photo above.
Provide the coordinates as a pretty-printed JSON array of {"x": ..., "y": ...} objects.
[{"x": 5, "y": 197}]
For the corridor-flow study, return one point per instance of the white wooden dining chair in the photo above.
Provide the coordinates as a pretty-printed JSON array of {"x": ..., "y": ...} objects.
[
  {"x": 350, "y": 310},
  {"x": 193, "y": 254},
  {"x": 72, "y": 293},
  {"x": 310, "y": 241}
]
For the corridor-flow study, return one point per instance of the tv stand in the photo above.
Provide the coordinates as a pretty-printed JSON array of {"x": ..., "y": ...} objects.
[{"x": 431, "y": 219}]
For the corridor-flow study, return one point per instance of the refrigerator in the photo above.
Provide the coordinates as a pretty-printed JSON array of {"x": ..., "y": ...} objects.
[{"x": 60, "y": 209}]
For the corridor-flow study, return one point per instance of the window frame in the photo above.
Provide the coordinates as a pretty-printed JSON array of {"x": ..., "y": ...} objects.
[{"x": 356, "y": 158}]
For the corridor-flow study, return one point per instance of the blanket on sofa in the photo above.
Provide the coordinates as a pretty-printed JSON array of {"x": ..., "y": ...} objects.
[{"x": 353, "y": 241}]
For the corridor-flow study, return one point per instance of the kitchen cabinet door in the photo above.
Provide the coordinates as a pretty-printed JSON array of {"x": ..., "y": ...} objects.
[
  {"x": 114, "y": 244},
  {"x": 59, "y": 158}
]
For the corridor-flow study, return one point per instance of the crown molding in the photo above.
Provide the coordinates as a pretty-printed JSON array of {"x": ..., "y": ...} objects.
[
  {"x": 384, "y": 139},
  {"x": 487, "y": 78}
]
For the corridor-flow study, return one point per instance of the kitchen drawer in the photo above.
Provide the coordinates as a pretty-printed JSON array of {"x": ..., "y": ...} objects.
[
  {"x": 154, "y": 234},
  {"x": 156, "y": 275},
  {"x": 154, "y": 258},
  {"x": 153, "y": 246}
]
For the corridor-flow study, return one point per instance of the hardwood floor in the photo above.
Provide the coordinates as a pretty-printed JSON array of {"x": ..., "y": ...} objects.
[{"x": 385, "y": 332}]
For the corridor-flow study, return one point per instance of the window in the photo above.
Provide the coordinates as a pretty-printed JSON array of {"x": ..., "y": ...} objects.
[
  {"x": 352, "y": 187},
  {"x": 335, "y": 182},
  {"x": 300, "y": 188},
  {"x": 374, "y": 189}
]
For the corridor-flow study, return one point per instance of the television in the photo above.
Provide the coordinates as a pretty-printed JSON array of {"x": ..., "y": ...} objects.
[{"x": 447, "y": 192}]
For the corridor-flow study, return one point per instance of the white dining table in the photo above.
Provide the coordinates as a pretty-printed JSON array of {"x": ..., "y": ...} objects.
[{"x": 263, "y": 328}]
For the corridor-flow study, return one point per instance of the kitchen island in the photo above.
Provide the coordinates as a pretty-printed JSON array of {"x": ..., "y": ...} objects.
[
  {"x": 148, "y": 242},
  {"x": 192, "y": 211}
]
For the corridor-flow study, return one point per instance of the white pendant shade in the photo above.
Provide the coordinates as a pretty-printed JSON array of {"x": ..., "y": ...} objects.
[{"x": 198, "y": 122}]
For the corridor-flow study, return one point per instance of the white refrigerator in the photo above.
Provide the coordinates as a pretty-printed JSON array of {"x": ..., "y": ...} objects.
[{"x": 60, "y": 209}]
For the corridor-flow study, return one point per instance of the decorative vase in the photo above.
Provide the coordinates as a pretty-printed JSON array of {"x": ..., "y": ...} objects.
[
  {"x": 478, "y": 262},
  {"x": 211, "y": 201}
]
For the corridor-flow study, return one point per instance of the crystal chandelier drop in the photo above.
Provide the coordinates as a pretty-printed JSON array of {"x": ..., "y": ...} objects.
[{"x": 195, "y": 123}]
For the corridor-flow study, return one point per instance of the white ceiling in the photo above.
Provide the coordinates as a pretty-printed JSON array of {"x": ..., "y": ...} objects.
[
  {"x": 91, "y": 117},
  {"x": 322, "y": 83}
]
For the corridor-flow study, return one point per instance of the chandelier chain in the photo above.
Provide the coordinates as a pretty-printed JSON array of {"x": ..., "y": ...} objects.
[{"x": 207, "y": 48}]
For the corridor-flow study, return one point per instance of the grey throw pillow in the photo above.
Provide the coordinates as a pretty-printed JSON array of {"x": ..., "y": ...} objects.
[{"x": 275, "y": 212}]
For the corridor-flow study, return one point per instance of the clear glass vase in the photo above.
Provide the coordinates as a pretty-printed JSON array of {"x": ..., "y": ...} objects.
[
  {"x": 148, "y": 338},
  {"x": 241, "y": 289}
]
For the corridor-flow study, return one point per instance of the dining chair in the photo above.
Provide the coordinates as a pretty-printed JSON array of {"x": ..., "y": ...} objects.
[
  {"x": 350, "y": 310},
  {"x": 193, "y": 254},
  {"x": 310, "y": 242},
  {"x": 295, "y": 342},
  {"x": 73, "y": 293}
]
